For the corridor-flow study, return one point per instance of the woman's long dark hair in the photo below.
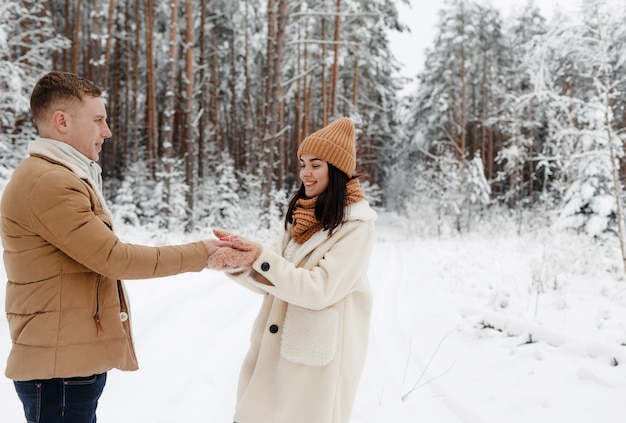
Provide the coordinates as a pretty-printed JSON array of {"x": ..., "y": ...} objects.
[{"x": 330, "y": 205}]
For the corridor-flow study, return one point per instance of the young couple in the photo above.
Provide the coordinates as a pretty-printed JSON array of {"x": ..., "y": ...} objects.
[{"x": 65, "y": 301}]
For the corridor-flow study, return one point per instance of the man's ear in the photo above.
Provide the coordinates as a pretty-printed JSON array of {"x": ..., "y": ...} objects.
[{"x": 59, "y": 120}]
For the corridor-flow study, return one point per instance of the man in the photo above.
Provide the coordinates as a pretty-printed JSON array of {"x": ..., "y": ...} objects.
[{"x": 66, "y": 305}]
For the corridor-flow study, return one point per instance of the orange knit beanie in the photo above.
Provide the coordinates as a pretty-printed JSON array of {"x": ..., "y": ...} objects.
[{"x": 333, "y": 144}]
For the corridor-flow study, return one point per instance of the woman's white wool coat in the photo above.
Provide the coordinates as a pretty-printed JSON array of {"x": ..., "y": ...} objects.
[{"x": 310, "y": 337}]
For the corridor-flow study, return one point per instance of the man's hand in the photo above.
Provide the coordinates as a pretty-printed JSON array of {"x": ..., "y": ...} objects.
[{"x": 212, "y": 245}]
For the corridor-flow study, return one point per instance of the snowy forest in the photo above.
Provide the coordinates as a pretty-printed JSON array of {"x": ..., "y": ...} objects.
[{"x": 208, "y": 101}]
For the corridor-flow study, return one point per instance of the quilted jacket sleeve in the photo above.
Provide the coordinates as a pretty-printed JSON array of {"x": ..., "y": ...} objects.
[{"x": 65, "y": 212}]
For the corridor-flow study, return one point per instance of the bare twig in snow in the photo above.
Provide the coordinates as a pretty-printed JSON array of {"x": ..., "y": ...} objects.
[{"x": 417, "y": 383}]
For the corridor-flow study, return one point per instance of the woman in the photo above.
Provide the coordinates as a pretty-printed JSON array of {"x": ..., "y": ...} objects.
[{"x": 310, "y": 337}]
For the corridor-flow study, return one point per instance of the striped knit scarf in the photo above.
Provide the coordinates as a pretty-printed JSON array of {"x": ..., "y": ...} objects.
[{"x": 306, "y": 225}]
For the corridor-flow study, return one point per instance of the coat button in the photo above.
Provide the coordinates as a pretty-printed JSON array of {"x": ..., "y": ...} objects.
[
  {"x": 123, "y": 316},
  {"x": 274, "y": 328},
  {"x": 265, "y": 266}
]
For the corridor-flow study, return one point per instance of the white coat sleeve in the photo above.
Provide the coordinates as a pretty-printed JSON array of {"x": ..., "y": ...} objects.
[{"x": 332, "y": 278}]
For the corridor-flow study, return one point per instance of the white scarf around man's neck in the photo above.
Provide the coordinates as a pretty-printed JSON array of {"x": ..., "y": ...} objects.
[{"x": 78, "y": 163}]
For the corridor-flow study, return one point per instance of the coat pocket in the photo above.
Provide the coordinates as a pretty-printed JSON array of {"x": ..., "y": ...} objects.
[{"x": 310, "y": 336}]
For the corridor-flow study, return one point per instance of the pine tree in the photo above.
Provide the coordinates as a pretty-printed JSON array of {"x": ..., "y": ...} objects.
[
  {"x": 577, "y": 72},
  {"x": 27, "y": 44},
  {"x": 226, "y": 203}
]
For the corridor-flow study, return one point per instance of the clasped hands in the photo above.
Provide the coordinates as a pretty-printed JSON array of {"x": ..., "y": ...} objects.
[{"x": 239, "y": 256}]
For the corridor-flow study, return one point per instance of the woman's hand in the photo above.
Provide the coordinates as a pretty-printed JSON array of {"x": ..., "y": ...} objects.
[{"x": 241, "y": 253}]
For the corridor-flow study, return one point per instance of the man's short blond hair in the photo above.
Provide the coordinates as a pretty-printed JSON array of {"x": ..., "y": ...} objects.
[{"x": 59, "y": 90}]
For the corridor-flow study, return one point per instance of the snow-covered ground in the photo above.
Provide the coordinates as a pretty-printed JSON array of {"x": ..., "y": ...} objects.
[{"x": 493, "y": 328}]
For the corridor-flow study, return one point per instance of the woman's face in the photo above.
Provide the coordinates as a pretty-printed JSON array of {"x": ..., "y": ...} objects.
[{"x": 314, "y": 175}]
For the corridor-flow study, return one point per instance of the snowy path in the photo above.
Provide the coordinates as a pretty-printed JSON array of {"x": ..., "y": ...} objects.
[
  {"x": 432, "y": 301},
  {"x": 396, "y": 357}
]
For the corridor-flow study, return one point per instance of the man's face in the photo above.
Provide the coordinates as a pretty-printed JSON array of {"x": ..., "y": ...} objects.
[{"x": 87, "y": 127}]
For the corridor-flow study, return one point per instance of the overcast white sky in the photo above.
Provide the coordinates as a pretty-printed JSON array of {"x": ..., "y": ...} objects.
[{"x": 422, "y": 17}]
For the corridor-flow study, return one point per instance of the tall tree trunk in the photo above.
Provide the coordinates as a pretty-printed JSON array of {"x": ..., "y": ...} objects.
[
  {"x": 76, "y": 37},
  {"x": 300, "y": 83},
  {"x": 306, "y": 121},
  {"x": 203, "y": 92},
  {"x": 249, "y": 134},
  {"x": 283, "y": 152},
  {"x": 234, "y": 138},
  {"x": 463, "y": 76},
  {"x": 169, "y": 112},
  {"x": 483, "y": 111},
  {"x": 190, "y": 158},
  {"x": 275, "y": 46},
  {"x": 26, "y": 27},
  {"x": 531, "y": 155},
  {"x": 214, "y": 124},
  {"x": 267, "y": 161},
  {"x": 325, "y": 102},
  {"x": 133, "y": 98},
  {"x": 490, "y": 145},
  {"x": 335, "y": 70},
  {"x": 94, "y": 50},
  {"x": 113, "y": 159},
  {"x": 473, "y": 124},
  {"x": 151, "y": 118},
  {"x": 66, "y": 57},
  {"x": 355, "y": 81},
  {"x": 57, "y": 57},
  {"x": 120, "y": 125},
  {"x": 270, "y": 119},
  {"x": 307, "y": 87},
  {"x": 454, "y": 123},
  {"x": 107, "y": 49}
]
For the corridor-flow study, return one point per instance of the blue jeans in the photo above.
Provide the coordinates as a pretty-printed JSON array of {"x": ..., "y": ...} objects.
[{"x": 70, "y": 400}]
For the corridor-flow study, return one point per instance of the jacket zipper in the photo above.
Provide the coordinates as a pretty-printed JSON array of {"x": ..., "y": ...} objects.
[{"x": 96, "y": 316}]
